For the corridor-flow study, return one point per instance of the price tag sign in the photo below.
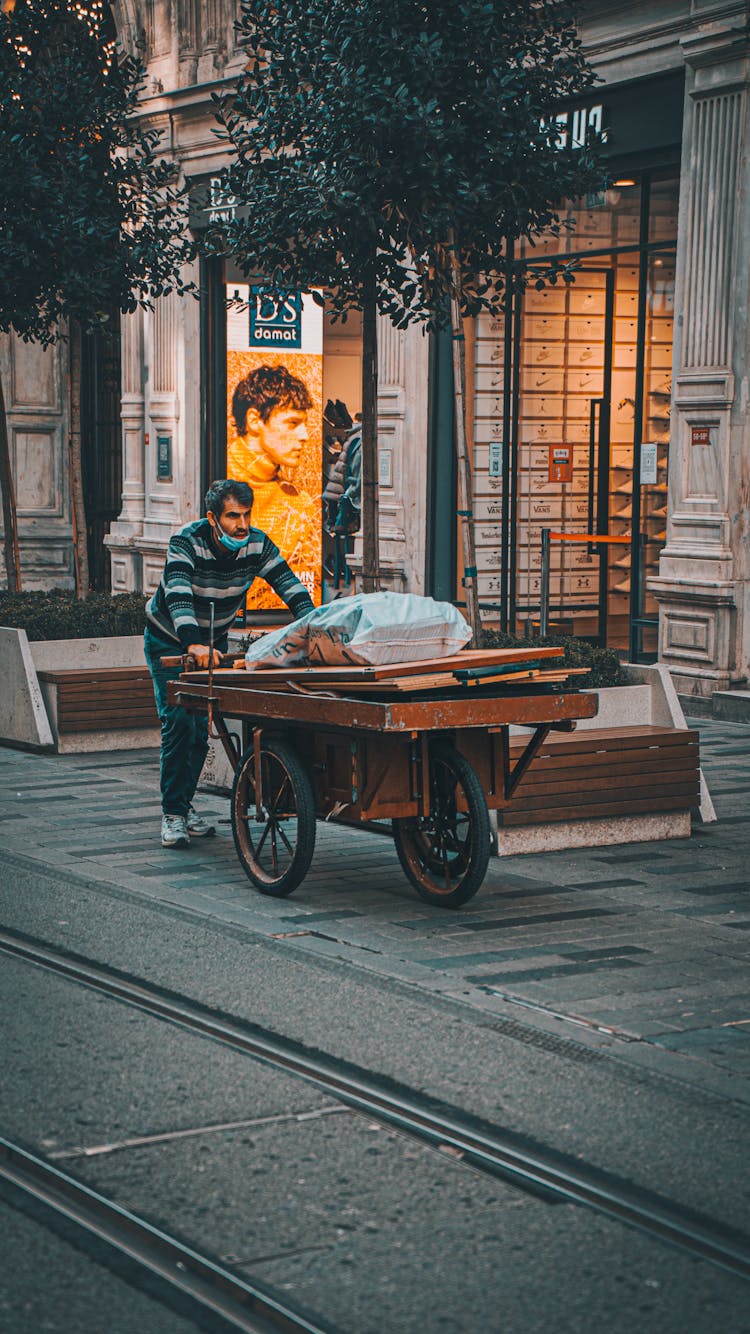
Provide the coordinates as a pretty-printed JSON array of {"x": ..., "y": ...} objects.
[
  {"x": 561, "y": 463},
  {"x": 648, "y": 464},
  {"x": 496, "y": 458}
]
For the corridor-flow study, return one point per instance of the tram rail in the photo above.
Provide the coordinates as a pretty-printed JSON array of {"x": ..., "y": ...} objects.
[
  {"x": 204, "y": 1285},
  {"x": 536, "y": 1169}
]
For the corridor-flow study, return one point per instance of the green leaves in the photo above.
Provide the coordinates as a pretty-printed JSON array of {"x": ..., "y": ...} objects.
[
  {"x": 370, "y": 130},
  {"x": 61, "y": 615},
  {"x": 90, "y": 219}
]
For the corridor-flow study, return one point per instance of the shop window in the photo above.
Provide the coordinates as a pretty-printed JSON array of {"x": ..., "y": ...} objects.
[
  {"x": 591, "y": 374},
  {"x": 292, "y": 390}
]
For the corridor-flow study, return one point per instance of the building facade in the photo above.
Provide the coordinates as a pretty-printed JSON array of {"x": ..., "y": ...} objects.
[
  {"x": 615, "y": 407},
  {"x": 699, "y": 582}
]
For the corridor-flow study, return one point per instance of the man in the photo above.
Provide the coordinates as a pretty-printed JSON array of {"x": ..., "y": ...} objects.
[
  {"x": 270, "y": 407},
  {"x": 214, "y": 560}
]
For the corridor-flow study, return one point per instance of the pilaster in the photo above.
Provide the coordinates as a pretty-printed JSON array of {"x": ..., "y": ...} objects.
[
  {"x": 391, "y": 419},
  {"x": 125, "y": 559},
  {"x": 164, "y": 455},
  {"x": 702, "y": 567}
]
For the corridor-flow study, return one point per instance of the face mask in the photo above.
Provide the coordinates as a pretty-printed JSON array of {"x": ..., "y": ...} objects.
[{"x": 230, "y": 543}]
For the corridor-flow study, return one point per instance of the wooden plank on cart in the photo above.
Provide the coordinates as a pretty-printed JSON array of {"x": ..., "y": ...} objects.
[
  {"x": 429, "y": 681},
  {"x": 456, "y": 661},
  {"x": 438, "y": 682}
]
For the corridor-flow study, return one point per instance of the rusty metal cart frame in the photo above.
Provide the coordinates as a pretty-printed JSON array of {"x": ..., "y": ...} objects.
[{"x": 432, "y": 766}]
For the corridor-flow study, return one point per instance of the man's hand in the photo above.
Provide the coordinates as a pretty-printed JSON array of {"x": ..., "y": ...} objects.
[{"x": 202, "y": 655}]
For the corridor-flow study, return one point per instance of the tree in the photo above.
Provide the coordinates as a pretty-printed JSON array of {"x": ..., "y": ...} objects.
[
  {"x": 91, "y": 220},
  {"x": 390, "y": 151}
]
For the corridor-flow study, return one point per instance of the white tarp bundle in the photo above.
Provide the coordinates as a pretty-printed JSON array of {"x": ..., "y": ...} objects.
[{"x": 369, "y": 628}]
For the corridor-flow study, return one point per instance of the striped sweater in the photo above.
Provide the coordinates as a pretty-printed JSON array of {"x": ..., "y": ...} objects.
[{"x": 195, "y": 576}]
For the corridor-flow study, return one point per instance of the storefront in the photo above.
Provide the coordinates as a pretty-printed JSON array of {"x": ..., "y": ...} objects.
[
  {"x": 573, "y": 393},
  {"x": 192, "y": 372},
  {"x": 266, "y": 391},
  {"x": 614, "y": 406}
]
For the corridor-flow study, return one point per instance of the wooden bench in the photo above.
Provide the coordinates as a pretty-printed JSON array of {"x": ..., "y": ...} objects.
[
  {"x": 99, "y": 699},
  {"x": 606, "y": 772}
]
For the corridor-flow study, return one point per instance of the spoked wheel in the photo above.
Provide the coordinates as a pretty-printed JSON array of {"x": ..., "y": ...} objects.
[
  {"x": 445, "y": 854},
  {"x": 275, "y": 850}
]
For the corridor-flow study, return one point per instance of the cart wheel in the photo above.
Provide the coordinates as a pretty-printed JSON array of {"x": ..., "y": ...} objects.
[
  {"x": 277, "y": 850},
  {"x": 445, "y": 854}
]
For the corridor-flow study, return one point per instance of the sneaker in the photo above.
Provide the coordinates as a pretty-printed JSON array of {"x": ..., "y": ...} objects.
[
  {"x": 197, "y": 827},
  {"x": 174, "y": 832}
]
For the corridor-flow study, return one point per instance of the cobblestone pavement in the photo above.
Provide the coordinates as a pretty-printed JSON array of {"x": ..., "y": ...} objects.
[{"x": 641, "y": 949}]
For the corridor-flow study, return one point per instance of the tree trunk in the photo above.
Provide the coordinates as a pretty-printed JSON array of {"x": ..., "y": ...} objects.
[
  {"x": 10, "y": 525},
  {"x": 465, "y": 510},
  {"x": 75, "y": 464},
  {"x": 370, "y": 545}
]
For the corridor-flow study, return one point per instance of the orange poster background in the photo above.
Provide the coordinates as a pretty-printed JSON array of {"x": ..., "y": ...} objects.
[{"x": 293, "y": 522}]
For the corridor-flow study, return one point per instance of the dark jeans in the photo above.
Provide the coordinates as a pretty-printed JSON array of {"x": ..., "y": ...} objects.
[{"x": 184, "y": 736}]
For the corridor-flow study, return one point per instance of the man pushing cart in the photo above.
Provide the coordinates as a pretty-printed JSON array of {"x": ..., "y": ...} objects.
[{"x": 210, "y": 566}]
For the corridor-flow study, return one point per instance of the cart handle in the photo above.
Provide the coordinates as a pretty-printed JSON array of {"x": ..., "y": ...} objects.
[{"x": 187, "y": 661}]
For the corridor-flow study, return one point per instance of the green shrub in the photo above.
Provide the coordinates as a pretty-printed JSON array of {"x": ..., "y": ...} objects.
[
  {"x": 60, "y": 615},
  {"x": 603, "y": 663}
]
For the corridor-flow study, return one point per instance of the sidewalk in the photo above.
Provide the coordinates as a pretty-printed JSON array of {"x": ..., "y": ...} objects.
[{"x": 641, "y": 950}]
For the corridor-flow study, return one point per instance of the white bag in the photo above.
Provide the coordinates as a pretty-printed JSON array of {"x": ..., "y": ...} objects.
[{"x": 369, "y": 628}]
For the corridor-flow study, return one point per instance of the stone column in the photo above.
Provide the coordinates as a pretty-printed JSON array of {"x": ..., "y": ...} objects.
[
  {"x": 124, "y": 532},
  {"x": 391, "y": 414},
  {"x": 702, "y": 585},
  {"x": 165, "y": 454}
]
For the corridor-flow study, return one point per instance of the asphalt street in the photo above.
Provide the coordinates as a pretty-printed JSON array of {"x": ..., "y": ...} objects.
[
  {"x": 353, "y": 1221},
  {"x": 49, "y": 1284},
  {"x": 594, "y": 1002}
]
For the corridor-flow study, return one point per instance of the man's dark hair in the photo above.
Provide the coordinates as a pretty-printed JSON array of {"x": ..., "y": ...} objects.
[
  {"x": 265, "y": 389},
  {"x": 220, "y": 491}
]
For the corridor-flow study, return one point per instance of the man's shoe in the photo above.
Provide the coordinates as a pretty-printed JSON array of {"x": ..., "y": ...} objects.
[
  {"x": 174, "y": 832},
  {"x": 197, "y": 827}
]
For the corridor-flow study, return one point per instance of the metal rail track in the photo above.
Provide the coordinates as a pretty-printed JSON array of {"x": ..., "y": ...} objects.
[
  {"x": 535, "y": 1169},
  {"x": 207, "y": 1288}
]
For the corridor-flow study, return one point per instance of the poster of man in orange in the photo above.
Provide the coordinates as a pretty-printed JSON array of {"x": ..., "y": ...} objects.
[{"x": 275, "y": 424}]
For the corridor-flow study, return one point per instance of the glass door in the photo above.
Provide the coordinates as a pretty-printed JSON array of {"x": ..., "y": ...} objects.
[{"x": 564, "y": 353}]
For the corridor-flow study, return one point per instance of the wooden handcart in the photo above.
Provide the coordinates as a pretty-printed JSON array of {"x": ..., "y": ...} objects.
[{"x": 423, "y": 746}]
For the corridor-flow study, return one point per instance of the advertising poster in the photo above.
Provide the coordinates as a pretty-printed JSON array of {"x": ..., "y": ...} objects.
[{"x": 275, "y": 425}]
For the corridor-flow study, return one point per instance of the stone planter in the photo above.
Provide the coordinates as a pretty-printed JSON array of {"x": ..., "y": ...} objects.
[
  {"x": 23, "y": 713},
  {"x": 28, "y": 706},
  {"x": 648, "y": 699}
]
